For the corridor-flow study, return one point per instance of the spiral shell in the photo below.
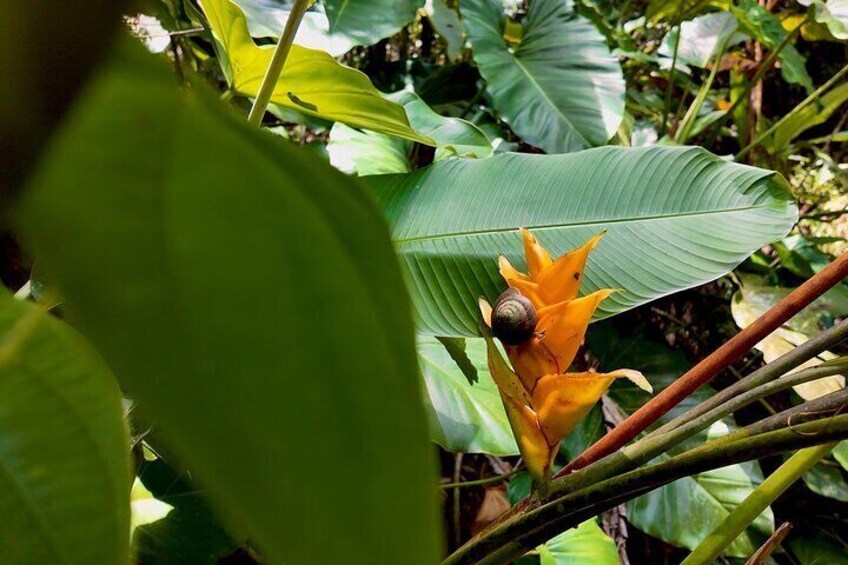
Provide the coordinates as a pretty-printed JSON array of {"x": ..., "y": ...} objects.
[{"x": 513, "y": 318}]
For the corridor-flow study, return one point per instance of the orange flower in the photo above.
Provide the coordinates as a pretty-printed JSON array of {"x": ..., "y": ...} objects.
[{"x": 542, "y": 401}]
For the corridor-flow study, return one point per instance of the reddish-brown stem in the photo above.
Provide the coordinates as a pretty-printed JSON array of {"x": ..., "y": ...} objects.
[{"x": 716, "y": 362}]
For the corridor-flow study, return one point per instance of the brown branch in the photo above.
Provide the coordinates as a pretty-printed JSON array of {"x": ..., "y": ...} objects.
[
  {"x": 716, "y": 362},
  {"x": 765, "y": 551}
]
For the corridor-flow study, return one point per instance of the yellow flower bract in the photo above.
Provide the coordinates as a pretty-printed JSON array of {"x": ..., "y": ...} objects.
[{"x": 543, "y": 402}]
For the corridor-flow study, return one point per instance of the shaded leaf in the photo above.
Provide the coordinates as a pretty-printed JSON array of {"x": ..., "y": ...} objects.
[
  {"x": 456, "y": 348},
  {"x": 464, "y": 417},
  {"x": 815, "y": 114},
  {"x": 560, "y": 89},
  {"x": 827, "y": 480},
  {"x": 64, "y": 449},
  {"x": 698, "y": 215},
  {"x": 261, "y": 322}
]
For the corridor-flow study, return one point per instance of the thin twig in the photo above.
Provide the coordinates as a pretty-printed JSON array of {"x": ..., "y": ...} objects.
[
  {"x": 481, "y": 482},
  {"x": 774, "y": 541}
]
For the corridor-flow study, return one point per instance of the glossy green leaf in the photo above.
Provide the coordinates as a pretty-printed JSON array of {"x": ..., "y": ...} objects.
[
  {"x": 64, "y": 449},
  {"x": 312, "y": 82},
  {"x": 365, "y": 22},
  {"x": 560, "y": 89},
  {"x": 464, "y": 417},
  {"x": 253, "y": 306},
  {"x": 704, "y": 499},
  {"x": 675, "y": 218},
  {"x": 765, "y": 27},
  {"x": 840, "y": 453},
  {"x": 267, "y": 18},
  {"x": 587, "y": 543}
]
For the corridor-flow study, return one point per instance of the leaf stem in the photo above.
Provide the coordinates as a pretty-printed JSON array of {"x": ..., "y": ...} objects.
[
  {"x": 514, "y": 538},
  {"x": 735, "y": 523},
  {"x": 670, "y": 87},
  {"x": 480, "y": 482},
  {"x": 803, "y": 104},
  {"x": 278, "y": 61},
  {"x": 717, "y": 361},
  {"x": 692, "y": 113}
]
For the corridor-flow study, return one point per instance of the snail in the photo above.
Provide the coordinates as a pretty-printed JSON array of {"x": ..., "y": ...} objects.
[{"x": 513, "y": 318}]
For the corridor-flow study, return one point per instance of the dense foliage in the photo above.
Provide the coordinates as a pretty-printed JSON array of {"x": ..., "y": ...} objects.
[{"x": 247, "y": 241}]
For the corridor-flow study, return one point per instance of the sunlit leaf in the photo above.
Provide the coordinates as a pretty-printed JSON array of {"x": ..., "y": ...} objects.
[
  {"x": 560, "y": 89},
  {"x": 312, "y": 82},
  {"x": 252, "y": 304},
  {"x": 675, "y": 218},
  {"x": 586, "y": 543}
]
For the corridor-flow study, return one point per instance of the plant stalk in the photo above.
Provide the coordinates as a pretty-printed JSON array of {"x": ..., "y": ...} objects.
[
  {"x": 278, "y": 61},
  {"x": 804, "y": 103},
  {"x": 692, "y": 113},
  {"x": 753, "y": 505},
  {"x": 717, "y": 361},
  {"x": 512, "y": 539}
]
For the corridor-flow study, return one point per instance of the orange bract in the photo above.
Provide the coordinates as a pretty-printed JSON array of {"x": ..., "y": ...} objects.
[{"x": 542, "y": 401}]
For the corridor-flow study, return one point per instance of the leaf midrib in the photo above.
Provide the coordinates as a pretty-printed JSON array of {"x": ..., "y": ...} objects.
[{"x": 542, "y": 227}]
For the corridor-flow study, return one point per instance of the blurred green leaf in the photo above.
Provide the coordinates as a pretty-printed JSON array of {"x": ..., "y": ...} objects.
[
  {"x": 817, "y": 550},
  {"x": 560, "y": 89},
  {"x": 840, "y": 453},
  {"x": 700, "y": 39},
  {"x": 312, "y": 82},
  {"x": 64, "y": 449},
  {"x": 448, "y": 24},
  {"x": 365, "y": 22},
  {"x": 832, "y": 13},
  {"x": 252, "y": 305},
  {"x": 451, "y": 220}
]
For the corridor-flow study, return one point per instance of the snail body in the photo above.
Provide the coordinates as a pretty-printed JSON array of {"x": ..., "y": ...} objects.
[{"x": 513, "y": 318}]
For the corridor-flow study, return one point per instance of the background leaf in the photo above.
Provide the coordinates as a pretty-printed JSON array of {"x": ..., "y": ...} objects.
[
  {"x": 64, "y": 449},
  {"x": 312, "y": 82},
  {"x": 464, "y": 418},
  {"x": 365, "y": 22},
  {"x": 586, "y": 543},
  {"x": 560, "y": 89},
  {"x": 700, "y": 38},
  {"x": 676, "y": 218},
  {"x": 260, "y": 321}
]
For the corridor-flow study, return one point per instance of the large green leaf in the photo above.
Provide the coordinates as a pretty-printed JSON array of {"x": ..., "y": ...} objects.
[
  {"x": 587, "y": 543},
  {"x": 64, "y": 449},
  {"x": 367, "y": 21},
  {"x": 676, "y": 218},
  {"x": 560, "y": 89},
  {"x": 705, "y": 499},
  {"x": 811, "y": 116},
  {"x": 464, "y": 417},
  {"x": 248, "y": 297},
  {"x": 312, "y": 81}
]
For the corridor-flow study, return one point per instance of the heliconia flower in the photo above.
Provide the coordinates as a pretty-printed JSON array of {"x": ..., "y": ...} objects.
[{"x": 542, "y": 324}]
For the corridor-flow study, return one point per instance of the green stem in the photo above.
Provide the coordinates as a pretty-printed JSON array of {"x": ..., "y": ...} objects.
[
  {"x": 692, "y": 113},
  {"x": 542, "y": 521},
  {"x": 761, "y": 71},
  {"x": 753, "y": 505},
  {"x": 278, "y": 61},
  {"x": 804, "y": 103},
  {"x": 671, "y": 72},
  {"x": 480, "y": 482}
]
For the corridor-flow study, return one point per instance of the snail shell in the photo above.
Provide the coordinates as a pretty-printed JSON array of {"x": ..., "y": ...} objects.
[{"x": 513, "y": 318}]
